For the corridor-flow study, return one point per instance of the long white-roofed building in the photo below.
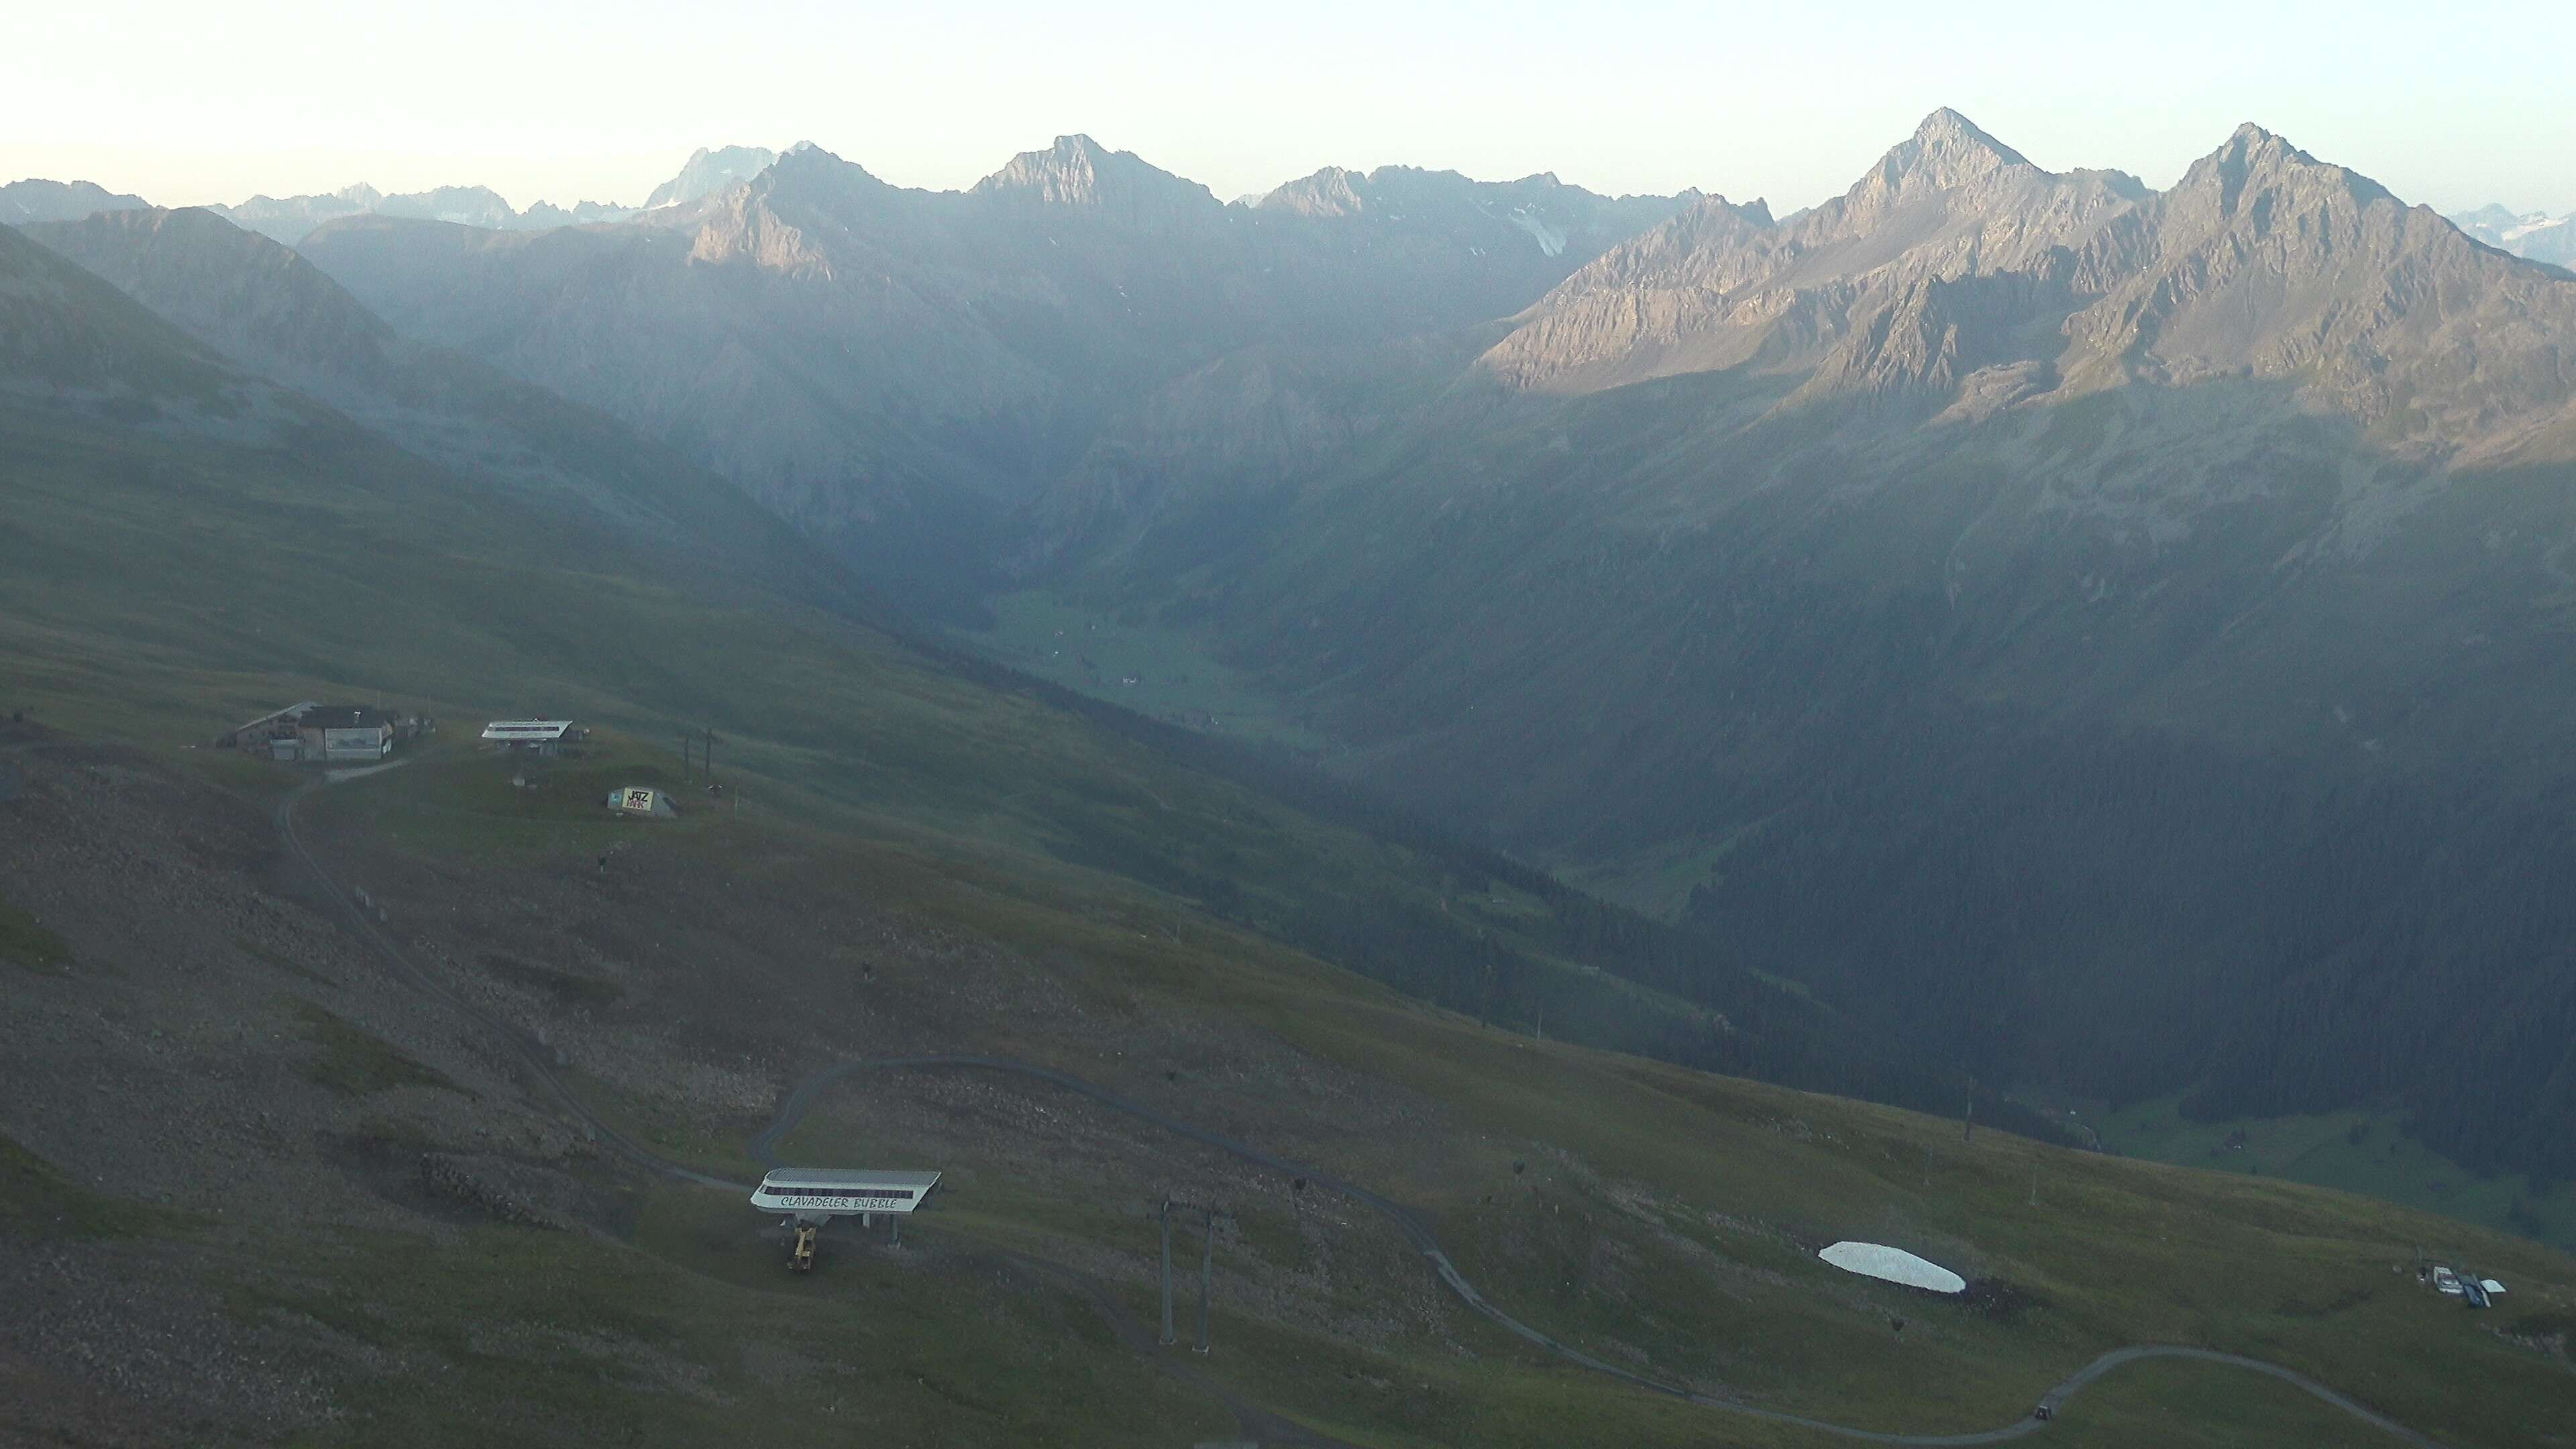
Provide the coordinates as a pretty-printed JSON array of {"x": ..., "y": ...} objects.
[{"x": 544, "y": 736}]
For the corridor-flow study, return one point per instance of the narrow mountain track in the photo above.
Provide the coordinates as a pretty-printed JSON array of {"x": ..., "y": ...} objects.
[{"x": 764, "y": 1149}]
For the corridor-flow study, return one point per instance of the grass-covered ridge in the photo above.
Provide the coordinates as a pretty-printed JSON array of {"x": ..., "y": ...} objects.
[{"x": 158, "y": 592}]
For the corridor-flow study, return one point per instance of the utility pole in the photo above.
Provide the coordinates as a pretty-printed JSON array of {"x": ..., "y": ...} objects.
[
  {"x": 708, "y": 759},
  {"x": 1207, "y": 1265},
  {"x": 1971, "y": 1119},
  {"x": 685, "y": 739},
  {"x": 1167, "y": 1272},
  {"x": 1207, "y": 1271}
]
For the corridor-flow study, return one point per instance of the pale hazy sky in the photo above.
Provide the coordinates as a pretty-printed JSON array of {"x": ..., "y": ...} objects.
[{"x": 185, "y": 103}]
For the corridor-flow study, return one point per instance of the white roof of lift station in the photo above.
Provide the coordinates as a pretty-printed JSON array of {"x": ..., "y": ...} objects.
[{"x": 829, "y": 1192}]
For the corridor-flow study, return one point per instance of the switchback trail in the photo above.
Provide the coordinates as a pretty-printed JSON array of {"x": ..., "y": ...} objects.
[{"x": 764, "y": 1148}]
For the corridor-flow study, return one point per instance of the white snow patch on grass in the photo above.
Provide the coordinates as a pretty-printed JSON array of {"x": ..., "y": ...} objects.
[{"x": 1894, "y": 1265}]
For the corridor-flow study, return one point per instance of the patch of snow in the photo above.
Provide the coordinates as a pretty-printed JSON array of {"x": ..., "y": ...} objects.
[
  {"x": 1893, "y": 1265},
  {"x": 1549, "y": 239}
]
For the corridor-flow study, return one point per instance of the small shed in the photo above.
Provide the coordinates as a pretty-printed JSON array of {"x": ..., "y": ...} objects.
[
  {"x": 642, "y": 802},
  {"x": 272, "y": 735}
]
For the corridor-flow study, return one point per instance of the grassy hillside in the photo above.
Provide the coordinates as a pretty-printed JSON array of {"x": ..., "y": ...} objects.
[
  {"x": 162, "y": 592},
  {"x": 1657, "y": 1217},
  {"x": 271, "y": 1152},
  {"x": 2363, "y": 1152},
  {"x": 187, "y": 567}
]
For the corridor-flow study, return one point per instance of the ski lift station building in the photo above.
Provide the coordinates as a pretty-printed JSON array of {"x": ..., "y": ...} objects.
[
  {"x": 544, "y": 736},
  {"x": 818, "y": 1194}
]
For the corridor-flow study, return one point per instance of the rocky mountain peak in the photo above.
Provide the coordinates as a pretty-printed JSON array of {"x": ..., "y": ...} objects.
[
  {"x": 708, "y": 171},
  {"x": 2255, "y": 163},
  {"x": 807, "y": 159},
  {"x": 1078, "y": 173},
  {"x": 1947, "y": 150},
  {"x": 777, "y": 217},
  {"x": 2493, "y": 214},
  {"x": 1332, "y": 191}
]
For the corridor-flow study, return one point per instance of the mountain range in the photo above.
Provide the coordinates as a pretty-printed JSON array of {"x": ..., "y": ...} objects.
[
  {"x": 291, "y": 219},
  {"x": 272, "y": 313},
  {"x": 2534, "y": 234},
  {"x": 36, "y": 199},
  {"x": 2109, "y": 635},
  {"x": 902, "y": 372},
  {"x": 2048, "y": 613},
  {"x": 2013, "y": 638}
]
